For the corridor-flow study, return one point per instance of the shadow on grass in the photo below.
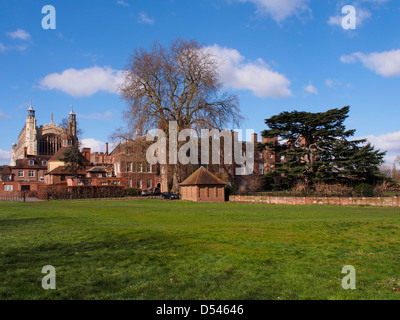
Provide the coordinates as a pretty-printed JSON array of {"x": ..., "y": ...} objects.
[
  {"x": 18, "y": 222},
  {"x": 138, "y": 266}
]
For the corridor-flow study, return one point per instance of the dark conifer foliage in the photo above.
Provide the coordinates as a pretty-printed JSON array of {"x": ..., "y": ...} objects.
[{"x": 317, "y": 147}]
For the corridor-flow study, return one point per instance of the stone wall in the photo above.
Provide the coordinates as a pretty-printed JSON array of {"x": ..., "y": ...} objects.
[{"x": 334, "y": 201}]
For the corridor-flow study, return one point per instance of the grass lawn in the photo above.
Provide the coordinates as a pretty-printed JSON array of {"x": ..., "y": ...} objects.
[{"x": 151, "y": 249}]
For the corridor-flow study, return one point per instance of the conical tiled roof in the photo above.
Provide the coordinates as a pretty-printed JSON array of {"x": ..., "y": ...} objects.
[{"x": 202, "y": 177}]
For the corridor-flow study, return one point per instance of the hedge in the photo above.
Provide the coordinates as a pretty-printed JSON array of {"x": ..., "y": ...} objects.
[{"x": 80, "y": 192}]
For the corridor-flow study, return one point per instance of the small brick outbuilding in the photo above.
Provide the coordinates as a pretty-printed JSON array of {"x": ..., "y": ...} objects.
[{"x": 203, "y": 186}]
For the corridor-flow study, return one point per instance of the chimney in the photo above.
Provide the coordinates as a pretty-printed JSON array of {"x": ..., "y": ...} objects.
[
  {"x": 25, "y": 152},
  {"x": 107, "y": 148},
  {"x": 86, "y": 153},
  {"x": 254, "y": 138}
]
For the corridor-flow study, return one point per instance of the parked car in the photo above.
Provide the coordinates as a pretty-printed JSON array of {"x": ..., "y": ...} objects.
[
  {"x": 170, "y": 196},
  {"x": 155, "y": 191},
  {"x": 145, "y": 193}
]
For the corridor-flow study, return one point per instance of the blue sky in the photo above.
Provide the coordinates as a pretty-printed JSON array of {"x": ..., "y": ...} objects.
[{"x": 279, "y": 55}]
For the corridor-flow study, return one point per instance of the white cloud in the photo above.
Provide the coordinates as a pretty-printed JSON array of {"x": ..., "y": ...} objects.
[
  {"x": 5, "y": 157},
  {"x": 332, "y": 83},
  {"x": 361, "y": 15},
  {"x": 2, "y": 47},
  {"x": 123, "y": 3},
  {"x": 96, "y": 116},
  {"x": 19, "y": 34},
  {"x": 144, "y": 18},
  {"x": 256, "y": 75},
  {"x": 96, "y": 145},
  {"x": 386, "y": 64},
  {"x": 279, "y": 10},
  {"x": 389, "y": 142},
  {"x": 4, "y": 116},
  {"x": 311, "y": 89},
  {"x": 93, "y": 144},
  {"x": 85, "y": 82}
]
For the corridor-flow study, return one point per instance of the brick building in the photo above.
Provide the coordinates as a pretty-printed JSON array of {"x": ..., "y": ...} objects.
[
  {"x": 37, "y": 160},
  {"x": 130, "y": 165},
  {"x": 203, "y": 186}
]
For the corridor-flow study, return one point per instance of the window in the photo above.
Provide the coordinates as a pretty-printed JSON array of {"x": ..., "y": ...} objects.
[
  {"x": 149, "y": 184},
  {"x": 139, "y": 184},
  {"x": 148, "y": 167},
  {"x": 100, "y": 175},
  {"x": 261, "y": 168},
  {"x": 20, "y": 174},
  {"x": 31, "y": 174},
  {"x": 260, "y": 155},
  {"x": 140, "y": 167},
  {"x": 8, "y": 188},
  {"x": 129, "y": 166},
  {"x": 104, "y": 183},
  {"x": 109, "y": 174},
  {"x": 31, "y": 162},
  {"x": 62, "y": 178},
  {"x": 44, "y": 163},
  {"x": 130, "y": 183}
]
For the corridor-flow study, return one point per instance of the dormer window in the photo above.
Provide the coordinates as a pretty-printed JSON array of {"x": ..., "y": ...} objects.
[
  {"x": 31, "y": 162},
  {"x": 44, "y": 163}
]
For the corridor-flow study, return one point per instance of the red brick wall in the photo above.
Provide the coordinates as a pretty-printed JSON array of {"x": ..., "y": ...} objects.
[{"x": 335, "y": 201}]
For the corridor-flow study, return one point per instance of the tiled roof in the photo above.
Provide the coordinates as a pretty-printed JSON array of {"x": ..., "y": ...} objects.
[
  {"x": 64, "y": 171},
  {"x": 37, "y": 162},
  {"x": 5, "y": 170},
  {"x": 59, "y": 155},
  {"x": 97, "y": 169},
  {"x": 202, "y": 177}
]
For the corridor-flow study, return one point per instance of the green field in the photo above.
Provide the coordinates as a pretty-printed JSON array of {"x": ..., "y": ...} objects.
[{"x": 152, "y": 249}]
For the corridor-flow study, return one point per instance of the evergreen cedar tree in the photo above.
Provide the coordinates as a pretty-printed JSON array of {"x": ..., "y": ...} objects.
[{"x": 317, "y": 149}]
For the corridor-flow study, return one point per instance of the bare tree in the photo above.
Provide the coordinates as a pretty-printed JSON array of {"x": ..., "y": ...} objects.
[{"x": 177, "y": 83}]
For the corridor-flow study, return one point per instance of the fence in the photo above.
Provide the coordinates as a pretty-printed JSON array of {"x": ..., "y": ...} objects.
[
  {"x": 333, "y": 201},
  {"x": 15, "y": 196}
]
